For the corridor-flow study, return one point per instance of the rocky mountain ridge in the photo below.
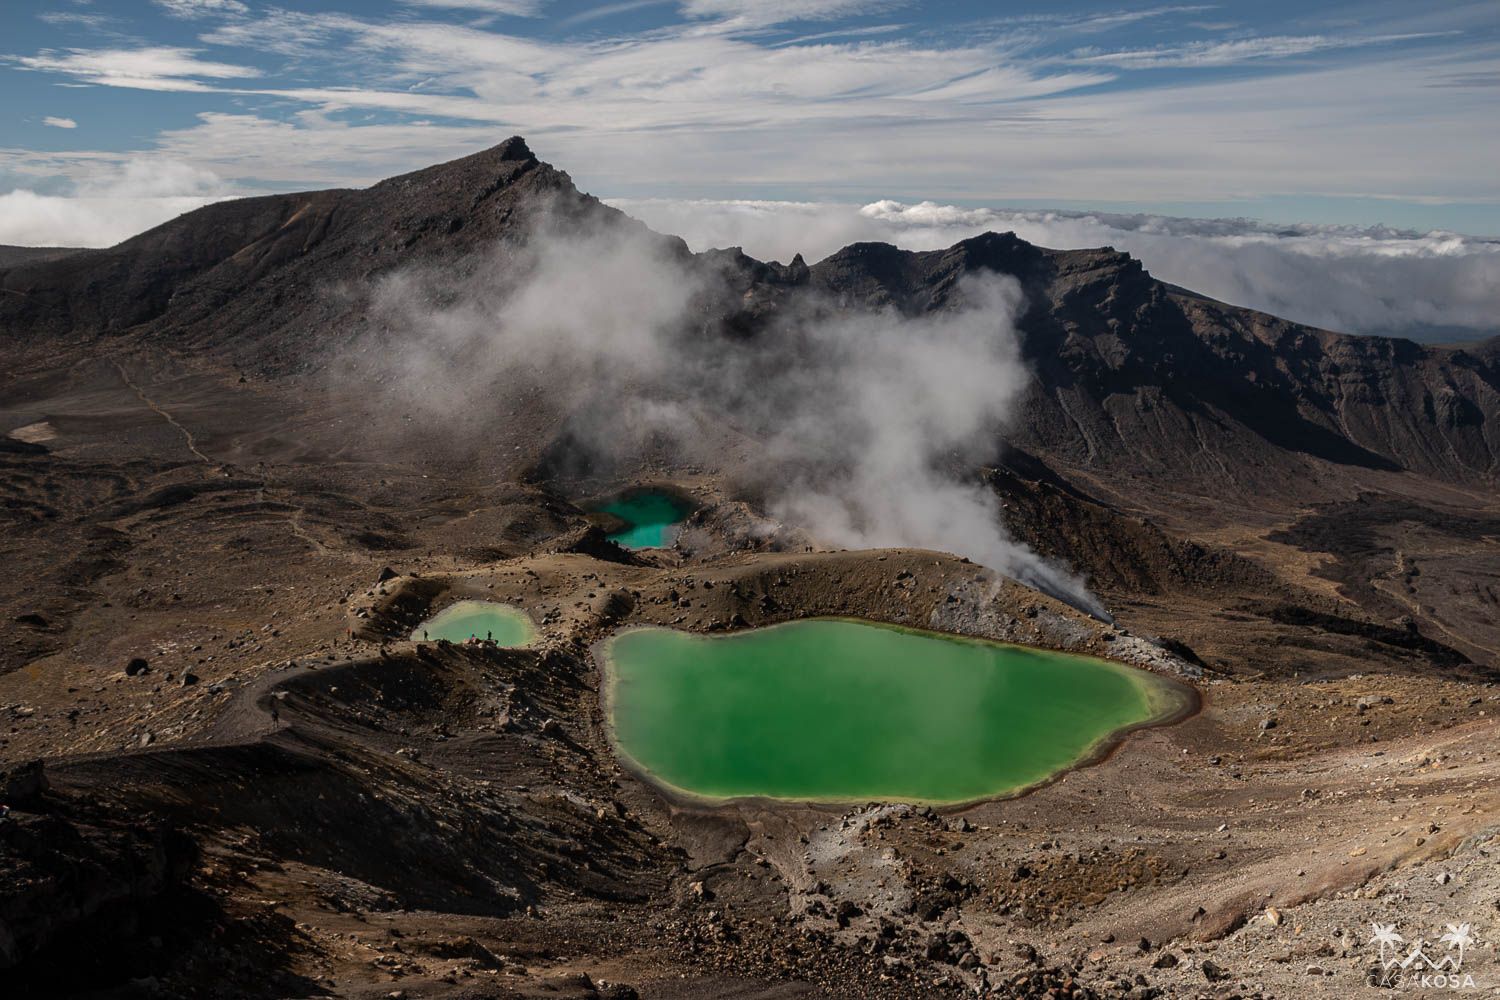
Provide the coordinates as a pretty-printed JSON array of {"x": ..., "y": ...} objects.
[{"x": 1132, "y": 376}]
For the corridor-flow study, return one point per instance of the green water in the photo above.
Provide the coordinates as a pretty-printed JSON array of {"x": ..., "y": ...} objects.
[
  {"x": 652, "y": 519},
  {"x": 834, "y": 710},
  {"x": 508, "y": 626}
]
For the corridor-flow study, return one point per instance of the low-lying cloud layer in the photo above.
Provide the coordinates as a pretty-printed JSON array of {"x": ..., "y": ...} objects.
[
  {"x": 1429, "y": 286},
  {"x": 113, "y": 207},
  {"x": 861, "y": 429}
]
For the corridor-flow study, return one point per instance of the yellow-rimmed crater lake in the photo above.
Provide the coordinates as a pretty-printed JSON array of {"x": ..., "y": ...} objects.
[
  {"x": 500, "y": 623},
  {"x": 833, "y": 710}
]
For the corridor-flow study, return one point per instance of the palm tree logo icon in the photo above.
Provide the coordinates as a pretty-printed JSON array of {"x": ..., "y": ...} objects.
[
  {"x": 1457, "y": 936},
  {"x": 1386, "y": 937}
]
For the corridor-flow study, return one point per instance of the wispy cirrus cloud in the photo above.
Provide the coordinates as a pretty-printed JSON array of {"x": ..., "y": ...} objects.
[
  {"x": 201, "y": 8},
  {"x": 1097, "y": 21},
  {"x": 666, "y": 80},
  {"x": 1235, "y": 51},
  {"x": 56, "y": 122},
  {"x": 785, "y": 11},
  {"x": 609, "y": 10},
  {"x": 866, "y": 31},
  {"x": 512, "y": 8},
  {"x": 160, "y": 67},
  {"x": 73, "y": 18},
  {"x": 1106, "y": 20}
]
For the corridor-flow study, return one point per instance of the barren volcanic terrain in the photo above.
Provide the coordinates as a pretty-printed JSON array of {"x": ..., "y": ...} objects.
[{"x": 231, "y": 773}]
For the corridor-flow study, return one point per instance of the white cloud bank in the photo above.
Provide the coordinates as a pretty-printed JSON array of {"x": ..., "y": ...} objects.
[
  {"x": 1432, "y": 286},
  {"x": 142, "y": 193}
]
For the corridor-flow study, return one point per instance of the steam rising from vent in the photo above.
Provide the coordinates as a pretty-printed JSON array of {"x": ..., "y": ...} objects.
[
  {"x": 862, "y": 428},
  {"x": 877, "y": 432}
]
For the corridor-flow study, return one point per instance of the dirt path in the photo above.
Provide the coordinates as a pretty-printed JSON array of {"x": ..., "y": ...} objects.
[{"x": 187, "y": 435}]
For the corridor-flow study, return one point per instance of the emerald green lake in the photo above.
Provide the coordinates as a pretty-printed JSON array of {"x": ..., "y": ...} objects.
[
  {"x": 838, "y": 711},
  {"x": 464, "y": 620},
  {"x": 652, "y": 519}
]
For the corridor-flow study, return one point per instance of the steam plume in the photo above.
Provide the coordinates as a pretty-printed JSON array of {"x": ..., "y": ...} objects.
[{"x": 863, "y": 428}]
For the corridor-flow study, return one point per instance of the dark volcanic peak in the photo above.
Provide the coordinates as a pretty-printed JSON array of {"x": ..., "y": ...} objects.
[
  {"x": 251, "y": 276},
  {"x": 468, "y": 177}
]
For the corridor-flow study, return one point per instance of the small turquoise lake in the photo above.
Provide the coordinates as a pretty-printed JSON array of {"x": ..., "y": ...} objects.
[{"x": 651, "y": 518}]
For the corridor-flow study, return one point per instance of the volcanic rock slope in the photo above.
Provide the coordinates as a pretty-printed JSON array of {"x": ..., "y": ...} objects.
[{"x": 255, "y": 786}]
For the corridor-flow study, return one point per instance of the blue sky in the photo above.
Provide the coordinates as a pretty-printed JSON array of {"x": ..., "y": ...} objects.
[{"x": 1352, "y": 113}]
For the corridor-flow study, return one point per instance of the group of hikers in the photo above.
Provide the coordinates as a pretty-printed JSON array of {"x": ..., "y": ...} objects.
[{"x": 488, "y": 637}]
